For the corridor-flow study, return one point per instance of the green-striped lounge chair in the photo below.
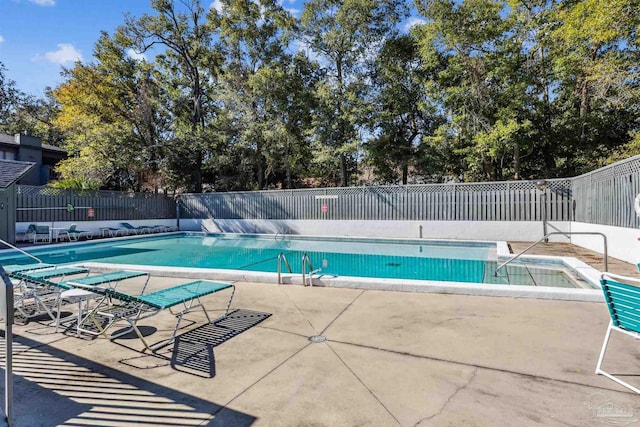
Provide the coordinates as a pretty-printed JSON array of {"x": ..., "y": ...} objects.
[
  {"x": 136, "y": 230},
  {"x": 73, "y": 234},
  {"x": 26, "y": 267},
  {"x": 35, "y": 294},
  {"x": 39, "y": 295},
  {"x": 622, "y": 295},
  {"x": 132, "y": 308}
]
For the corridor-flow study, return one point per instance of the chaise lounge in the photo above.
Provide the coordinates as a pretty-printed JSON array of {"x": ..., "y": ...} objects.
[
  {"x": 622, "y": 295},
  {"x": 73, "y": 234},
  {"x": 136, "y": 230},
  {"x": 117, "y": 306},
  {"x": 37, "y": 294},
  {"x": 35, "y": 233}
]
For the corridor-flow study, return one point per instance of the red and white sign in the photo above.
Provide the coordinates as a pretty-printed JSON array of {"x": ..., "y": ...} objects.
[
  {"x": 325, "y": 208},
  {"x": 91, "y": 212}
]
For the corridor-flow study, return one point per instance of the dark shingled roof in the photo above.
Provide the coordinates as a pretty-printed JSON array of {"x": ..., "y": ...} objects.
[{"x": 11, "y": 171}]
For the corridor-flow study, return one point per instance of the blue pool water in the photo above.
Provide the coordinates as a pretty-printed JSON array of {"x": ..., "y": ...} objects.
[{"x": 419, "y": 260}]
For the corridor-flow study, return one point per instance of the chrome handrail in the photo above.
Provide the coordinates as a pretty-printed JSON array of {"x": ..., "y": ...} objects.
[
  {"x": 566, "y": 234},
  {"x": 22, "y": 251},
  {"x": 282, "y": 257}
]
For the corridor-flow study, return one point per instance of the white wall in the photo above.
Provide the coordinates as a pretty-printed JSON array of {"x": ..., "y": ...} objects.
[
  {"x": 94, "y": 226},
  {"x": 622, "y": 243},
  {"x": 461, "y": 230}
]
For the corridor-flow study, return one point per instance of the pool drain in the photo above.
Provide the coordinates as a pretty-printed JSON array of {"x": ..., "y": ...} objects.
[{"x": 317, "y": 338}]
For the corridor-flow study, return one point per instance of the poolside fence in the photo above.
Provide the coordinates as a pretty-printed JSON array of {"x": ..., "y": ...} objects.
[
  {"x": 605, "y": 197},
  {"x": 495, "y": 201},
  {"x": 47, "y": 204}
]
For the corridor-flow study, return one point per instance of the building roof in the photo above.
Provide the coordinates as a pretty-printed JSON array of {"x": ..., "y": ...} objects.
[
  {"x": 11, "y": 140},
  {"x": 12, "y": 170}
]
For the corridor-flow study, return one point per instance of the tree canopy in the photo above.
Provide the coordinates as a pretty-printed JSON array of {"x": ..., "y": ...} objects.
[{"x": 247, "y": 96}]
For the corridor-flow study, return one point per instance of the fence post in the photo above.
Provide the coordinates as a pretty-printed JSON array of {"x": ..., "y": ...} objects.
[
  {"x": 6, "y": 308},
  {"x": 178, "y": 201},
  {"x": 455, "y": 203}
]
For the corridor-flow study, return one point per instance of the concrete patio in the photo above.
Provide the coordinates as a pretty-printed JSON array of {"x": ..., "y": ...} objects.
[{"x": 389, "y": 359}]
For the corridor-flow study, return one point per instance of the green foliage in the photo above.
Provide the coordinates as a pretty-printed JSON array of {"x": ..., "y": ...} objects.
[
  {"x": 248, "y": 97},
  {"x": 77, "y": 184},
  {"x": 402, "y": 113},
  {"x": 345, "y": 35}
]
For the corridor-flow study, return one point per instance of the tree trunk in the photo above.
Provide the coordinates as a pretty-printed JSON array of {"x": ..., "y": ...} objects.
[
  {"x": 259, "y": 165},
  {"x": 287, "y": 168},
  {"x": 516, "y": 160},
  {"x": 343, "y": 170},
  {"x": 197, "y": 173},
  {"x": 341, "y": 125}
]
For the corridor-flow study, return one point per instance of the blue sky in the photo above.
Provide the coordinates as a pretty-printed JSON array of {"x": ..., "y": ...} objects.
[{"x": 39, "y": 37}]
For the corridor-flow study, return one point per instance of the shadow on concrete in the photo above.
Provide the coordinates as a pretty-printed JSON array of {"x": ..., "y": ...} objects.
[
  {"x": 37, "y": 406},
  {"x": 193, "y": 350},
  {"x": 53, "y": 387}
]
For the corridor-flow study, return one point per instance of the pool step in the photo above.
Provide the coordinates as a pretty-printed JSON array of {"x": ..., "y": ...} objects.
[{"x": 528, "y": 275}]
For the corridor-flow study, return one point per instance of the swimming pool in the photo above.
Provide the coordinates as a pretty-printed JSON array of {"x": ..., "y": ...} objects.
[{"x": 412, "y": 260}]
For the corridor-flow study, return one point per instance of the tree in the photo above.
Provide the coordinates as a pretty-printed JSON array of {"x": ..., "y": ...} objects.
[
  {"x": 10, "y": 98},
  {"x": 595, "y": 56},
  {"x": 96, "y": 139},
  {"x": 189, "y": 64},
  {"x": 403, "y": 113},
  {"x": 492, "y": 85},
  {"x": 254, "y": 38},
  {"x": 345, "y": 36},
  {"x": 289, "y": 103},
  {"x": 111, "y": 118}
]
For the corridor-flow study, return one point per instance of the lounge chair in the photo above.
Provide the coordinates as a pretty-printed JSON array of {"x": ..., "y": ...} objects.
[
  {"x": 26, "y": 235},
  {"x": 38, "y": 295},
  {"x": 17, "y": 268},
  {"x": 136, "y": 230},
  {"x": 37, "y": 232},
  {"x": 120, "y": 306},
  {"x": 622, "y": 295},
  {"x": 73, "y": 234},
  {"x": 113, "y": 232}
]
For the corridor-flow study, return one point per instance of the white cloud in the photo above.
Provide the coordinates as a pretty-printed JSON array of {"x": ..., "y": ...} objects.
[
  {"x": 294, "y": 12},
  {"x": 1, "y": 39},
  {"x": 135, "y": 55},
  {"x": 217, "y": 5},
  {"x": 44, "y": 2},
  {"x": 301, "y": 46},
  {"x": 412, "y": 22},
  {"x": 65, "y": 53}
]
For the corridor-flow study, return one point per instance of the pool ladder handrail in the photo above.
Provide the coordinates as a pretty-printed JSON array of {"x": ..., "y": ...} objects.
[
  {"x": 566, "y": 234},
  {"x": 282, "y": 238},
  {"x": 306, "y": 262},
  {"x": 282, "y": 258},
  {"x": 22, "y": 251}
]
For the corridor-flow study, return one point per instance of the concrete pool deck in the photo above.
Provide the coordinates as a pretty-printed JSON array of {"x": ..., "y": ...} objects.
[{"x": 389, "y": 359}]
